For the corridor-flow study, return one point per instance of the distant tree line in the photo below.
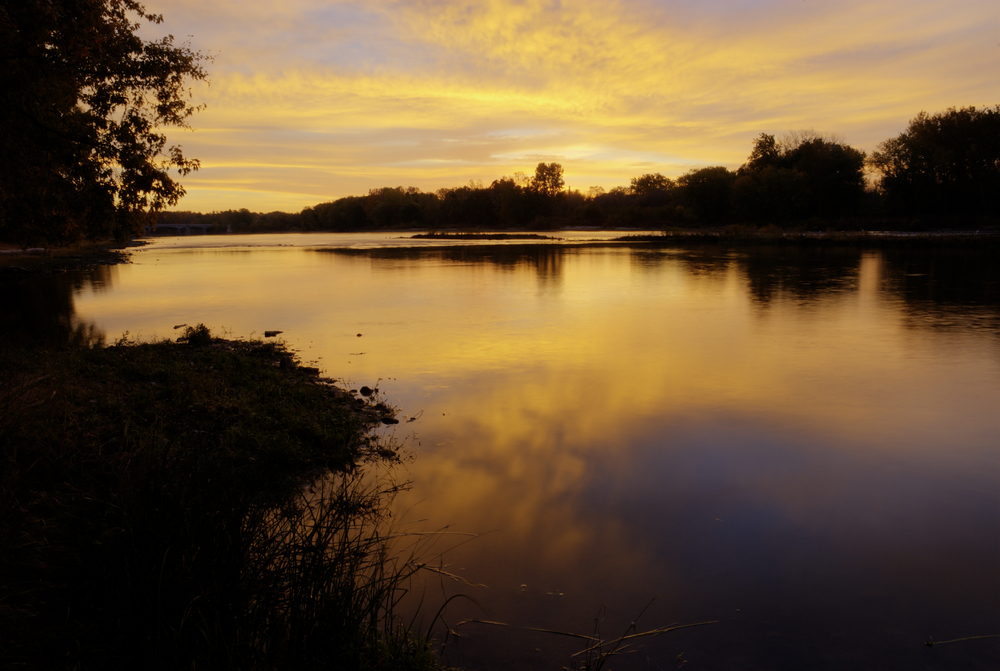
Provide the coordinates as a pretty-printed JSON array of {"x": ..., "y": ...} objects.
[{"x": 944, "y": 168}]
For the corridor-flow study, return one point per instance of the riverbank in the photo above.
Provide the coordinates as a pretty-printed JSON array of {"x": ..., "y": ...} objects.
[
  {"x": 770, "y": 236},
  {"x": 17, "y": 260},
  {"x": 198, "y": 503}
]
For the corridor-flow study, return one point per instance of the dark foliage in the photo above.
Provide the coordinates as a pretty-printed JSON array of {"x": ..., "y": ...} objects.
[
  {"x": 944, "y": 168},
  {"x": 82, "y": 102},
  {"x": 548, "y": 179},
  {"x": 802, "y": 176},
  {"x": 709, "y": 192},
  {"x": 945, "y": 164}
]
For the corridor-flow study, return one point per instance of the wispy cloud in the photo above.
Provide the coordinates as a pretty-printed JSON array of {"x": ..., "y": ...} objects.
[{"x": 312, "y": 100}]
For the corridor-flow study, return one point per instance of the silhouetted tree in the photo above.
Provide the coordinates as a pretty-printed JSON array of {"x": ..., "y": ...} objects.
[
  {"x": 276, "y": 221},
  {"x": 646, "y": 184},
  {"x": 770, "y": 193},
  {"x": 468, "y": 206},
  {"x": 651, "y": 190},
  {"x": 800, "y": 176},
  {"x": 513, "y": 203},
  {"x": 570, "y": 204},
  {"x": 765, "y": 153},
  {"x": 383, "y": 205},
  {"x": 834, "y": 172},
  {"x": 82, "y": 99},
  {"x": 548, "y": 179},
  {"x": 343, "y": 214},
  {"x": 945, "y": 163},
  {"x": 236, "y": 220},
  {"x": 709, "y": 192}
]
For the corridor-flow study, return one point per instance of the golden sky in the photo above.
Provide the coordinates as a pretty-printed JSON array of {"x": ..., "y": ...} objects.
[{"x": 313, "y": 100}]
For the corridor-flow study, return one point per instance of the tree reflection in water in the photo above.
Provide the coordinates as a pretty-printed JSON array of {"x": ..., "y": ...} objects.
[{"x": 40, "y": 310}]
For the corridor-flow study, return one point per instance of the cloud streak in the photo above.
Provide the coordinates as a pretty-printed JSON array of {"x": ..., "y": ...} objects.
[{"x": 312, "y": 100}]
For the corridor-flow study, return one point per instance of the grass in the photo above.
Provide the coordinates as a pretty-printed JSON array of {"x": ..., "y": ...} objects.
[
  {"x": 598, "y": 650},
  {"x": 200, "y": 505}
]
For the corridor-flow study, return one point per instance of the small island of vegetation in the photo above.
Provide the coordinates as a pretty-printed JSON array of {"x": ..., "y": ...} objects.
[{"x": 457, "y": 235}]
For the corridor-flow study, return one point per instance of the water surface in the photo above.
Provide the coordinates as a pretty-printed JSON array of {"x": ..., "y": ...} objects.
[{"x": 801, "y": 445}]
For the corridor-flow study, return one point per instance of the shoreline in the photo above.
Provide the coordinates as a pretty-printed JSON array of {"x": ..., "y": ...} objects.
[
  {"x": 16, "y": 262},
  {"x": 153, "y": 490},
  {"x": 34, "y": 260}
]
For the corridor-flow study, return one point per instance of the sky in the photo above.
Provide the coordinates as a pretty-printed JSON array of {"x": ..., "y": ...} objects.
[{"x": 313, "y": 100}]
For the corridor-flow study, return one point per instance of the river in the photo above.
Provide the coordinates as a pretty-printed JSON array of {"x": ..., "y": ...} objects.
[{"x": 801, "y": 446}]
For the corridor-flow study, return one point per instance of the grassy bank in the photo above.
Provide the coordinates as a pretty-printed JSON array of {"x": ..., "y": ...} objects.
[
  {"x": 15, "y": 260},
  {"x": 196, "y": 505}
]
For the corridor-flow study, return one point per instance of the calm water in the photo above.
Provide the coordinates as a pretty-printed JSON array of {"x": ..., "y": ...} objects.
[{"x": 803, "y": 446}]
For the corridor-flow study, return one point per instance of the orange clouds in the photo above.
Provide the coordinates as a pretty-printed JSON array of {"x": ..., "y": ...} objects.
[{"x": 346, "y": 96}]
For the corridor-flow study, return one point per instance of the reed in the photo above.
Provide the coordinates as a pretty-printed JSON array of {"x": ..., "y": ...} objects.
[
  {"x": 169, "y": 507},
  {"x": 598, "y": 650}
]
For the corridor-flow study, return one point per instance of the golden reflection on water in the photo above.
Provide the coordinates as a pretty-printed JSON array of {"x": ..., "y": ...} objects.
[
  {"x": 623, "y": 423},
  {"x": 587, "y": 344}
]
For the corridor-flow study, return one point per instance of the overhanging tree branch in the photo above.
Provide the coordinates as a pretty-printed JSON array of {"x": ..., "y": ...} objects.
[{"x": 83, "y": 101}]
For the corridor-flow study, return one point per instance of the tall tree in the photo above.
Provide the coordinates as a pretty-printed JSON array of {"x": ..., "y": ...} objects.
[
  {"x": 946, "y": 163},
  {"x": 834, "y": 172},
  {"x": 765, "y": 154},
  {"x": 548, "y": 179},
  {"x": 802, "y": 175},
  {"x": 646, "y": 184},
  {"x": 709, "y": 191},
  {"x": 83, "y": 101}
]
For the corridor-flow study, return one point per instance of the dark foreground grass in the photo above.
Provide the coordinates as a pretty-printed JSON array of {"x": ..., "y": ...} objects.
[{"x": 173, "y": 506}]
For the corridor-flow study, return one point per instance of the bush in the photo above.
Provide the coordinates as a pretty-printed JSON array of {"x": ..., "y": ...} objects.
[{"x": 198, "y": 336}]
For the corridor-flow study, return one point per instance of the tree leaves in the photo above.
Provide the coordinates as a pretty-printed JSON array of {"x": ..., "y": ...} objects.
[
  {"x": 83, "y": 100},
  {"x": 946, "y": 163}
]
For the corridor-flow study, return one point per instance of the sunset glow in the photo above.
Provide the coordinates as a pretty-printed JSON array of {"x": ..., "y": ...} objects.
[{"x": 312, "y": 100}]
